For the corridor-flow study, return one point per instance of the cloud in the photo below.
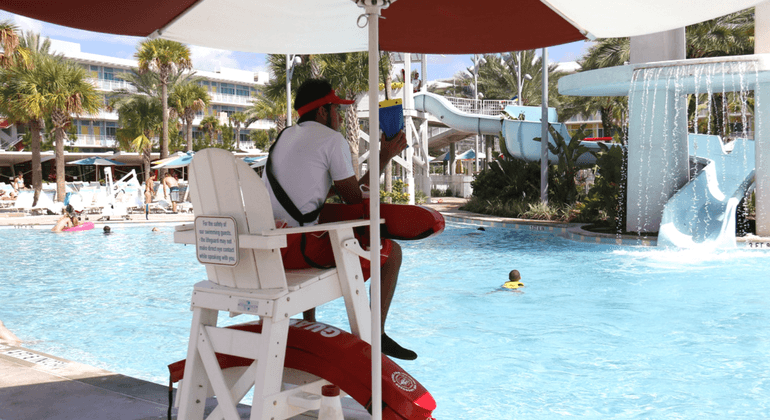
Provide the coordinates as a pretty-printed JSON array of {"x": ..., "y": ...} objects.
[{"x": 208, "y": 59}]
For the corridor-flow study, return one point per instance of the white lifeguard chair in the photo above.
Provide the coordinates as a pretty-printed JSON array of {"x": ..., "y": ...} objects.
[{"x": 235, "y": 237}]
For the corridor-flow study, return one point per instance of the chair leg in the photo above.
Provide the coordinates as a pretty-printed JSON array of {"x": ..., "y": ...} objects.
[
  {"x": 196, "y": 382},
  {"x": 269, "y": 375}
]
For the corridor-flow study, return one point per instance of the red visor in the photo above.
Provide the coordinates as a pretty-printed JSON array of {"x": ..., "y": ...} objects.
[{"x": 330, "y": 98}]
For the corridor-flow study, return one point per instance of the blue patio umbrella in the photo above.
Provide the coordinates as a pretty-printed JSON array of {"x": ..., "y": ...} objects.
[
  {"x": 181, "y": 161},
  {"x": 96, "y": 161},
  {"x": 255, "y": 161}
]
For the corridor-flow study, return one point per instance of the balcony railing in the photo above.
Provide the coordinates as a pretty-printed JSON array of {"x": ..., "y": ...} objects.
[
  {"x": 87, "y": 140},
  {"x": 231, "y": 99},
  {"x": 112, "y": 85}
]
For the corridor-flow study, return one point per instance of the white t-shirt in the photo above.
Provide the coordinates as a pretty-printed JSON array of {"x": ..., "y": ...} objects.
[{"x": 307, "y": 159}]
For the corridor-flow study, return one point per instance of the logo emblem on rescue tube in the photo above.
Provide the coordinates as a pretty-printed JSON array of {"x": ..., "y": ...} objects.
[{"x": 404, "y": 381}]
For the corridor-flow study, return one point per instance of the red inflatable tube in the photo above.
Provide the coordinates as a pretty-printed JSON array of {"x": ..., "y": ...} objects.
[
  {"x": 402, "y": 221},
  {"x": 344, "y": 360}
]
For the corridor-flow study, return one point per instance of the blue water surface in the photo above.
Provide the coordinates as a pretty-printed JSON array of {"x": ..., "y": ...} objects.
[{"x": 598, "y": 331}]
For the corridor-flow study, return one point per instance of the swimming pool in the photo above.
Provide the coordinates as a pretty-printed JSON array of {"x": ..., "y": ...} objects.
[{"x": 599, "y": 331}]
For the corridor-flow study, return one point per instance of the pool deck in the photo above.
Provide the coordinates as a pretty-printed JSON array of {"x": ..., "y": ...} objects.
[{"x": 35, "y": 386}]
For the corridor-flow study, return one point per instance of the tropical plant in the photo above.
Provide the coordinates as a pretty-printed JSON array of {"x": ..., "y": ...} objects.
[
  {"x": 188, "y": 99},
  {"x": 498, "y": 78},
  {"x": 30, "y": 41},
  {"x": 264, "y": 107},
  {"x": 236, "y": 119},
  {"x": 508, "y": 179},
  {"x": 563, "y": 185},
  {"x": 13, "y": 53},
  {"x": 261, "y": 139},
  {"x": 163, "y": 57},
  {"x": 603, "y": 204},
  {"x": 141, "y": 119},
  {"x": 308, "y": 68},
  {"x": 66, "y": 91},
  {"x": 210, "y": 124},
  {"x": 349, "y": 73}
]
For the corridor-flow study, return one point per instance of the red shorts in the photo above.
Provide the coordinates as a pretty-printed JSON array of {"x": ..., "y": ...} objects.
[{"x": 318, "y": 249}]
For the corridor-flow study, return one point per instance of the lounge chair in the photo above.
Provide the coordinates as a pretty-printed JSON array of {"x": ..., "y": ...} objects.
[
  {"x": 226, "y": 190},
  {"x": 45, "y": 203}
]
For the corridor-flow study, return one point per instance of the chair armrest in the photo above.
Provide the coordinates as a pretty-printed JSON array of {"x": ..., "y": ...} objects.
[
  {"x": 347, "y": 224},
  {"x": 185, "y": 234}
]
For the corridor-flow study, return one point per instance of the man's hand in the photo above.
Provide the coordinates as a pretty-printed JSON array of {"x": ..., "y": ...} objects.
[{"x": 391, "y": 148}]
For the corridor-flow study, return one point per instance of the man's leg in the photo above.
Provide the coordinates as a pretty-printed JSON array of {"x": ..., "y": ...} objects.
[{"x": 389, "y": 279}]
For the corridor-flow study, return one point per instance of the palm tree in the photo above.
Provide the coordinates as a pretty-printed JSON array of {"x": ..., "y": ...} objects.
[
  {"x": 13, "y": 53},
  {"x": 349, "y": 73},
  {"x": 20, "y": 102},
  {"x": 188, "y": 99},
  {"x": 236, "y": 119},
  {"x": 31, "y": 41},
  {"x": 276, "y": 63},
  {"x": 66, "y": 91},
  {"x": 140, "y": 118},
  {"x": 498, "y": 78},
  {"x": 163, "y": 57},
  {"x": 211, "y": 125},
  {"x": 263, "y": 107}
]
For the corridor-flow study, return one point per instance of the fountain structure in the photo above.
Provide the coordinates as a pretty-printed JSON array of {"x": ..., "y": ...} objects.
[{"x": 660, "y": 156}]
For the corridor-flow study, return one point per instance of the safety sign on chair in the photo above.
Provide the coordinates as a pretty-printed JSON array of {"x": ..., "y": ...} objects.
[{"x": 216, "y": 240}]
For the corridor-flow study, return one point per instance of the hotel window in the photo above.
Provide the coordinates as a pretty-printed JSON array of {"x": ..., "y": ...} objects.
[
  {"x": 109, "y": 73},
  {"x": 111, "y": 129},
  {"x": 227, "y": 89},
  {"x": 95, "y": 72},
  {"x": 242, "y": 90}
]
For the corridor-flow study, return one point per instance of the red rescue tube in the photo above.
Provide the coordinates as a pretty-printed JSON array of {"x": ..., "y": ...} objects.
[
  {"x": 344, "y": 360},
  {"x": 402, "y": 221}
]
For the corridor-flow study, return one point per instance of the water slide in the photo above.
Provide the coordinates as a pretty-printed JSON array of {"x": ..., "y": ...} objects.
[
  {"x": 518, "y": 134},
  {"x": 702, "y": 213}
]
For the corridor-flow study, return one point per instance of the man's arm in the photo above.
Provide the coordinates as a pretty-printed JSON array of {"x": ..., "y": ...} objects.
[{"x": 348, "y": 188}]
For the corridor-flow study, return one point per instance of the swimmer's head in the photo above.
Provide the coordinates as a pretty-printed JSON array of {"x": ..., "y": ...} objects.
[
  {"x": 107, "y": 229},
  {"x": 514, "y": 275}
]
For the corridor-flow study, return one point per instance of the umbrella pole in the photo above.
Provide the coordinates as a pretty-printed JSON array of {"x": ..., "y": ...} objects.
[{"x": 373, "y": 15}]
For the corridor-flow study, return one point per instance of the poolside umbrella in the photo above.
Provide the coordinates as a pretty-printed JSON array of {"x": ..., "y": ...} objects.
[
  {"x": 179, "y": 161},
  {"x": 171, "y": 157},
  {"x": 418, "y": 26},
  {"x": 256, "y": 161},
  {"x": 424, "y": 26},
  {"x": 96, "y": 161}
]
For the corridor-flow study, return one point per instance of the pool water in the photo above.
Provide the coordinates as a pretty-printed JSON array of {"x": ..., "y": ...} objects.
[{"x": 598, "y": 331}]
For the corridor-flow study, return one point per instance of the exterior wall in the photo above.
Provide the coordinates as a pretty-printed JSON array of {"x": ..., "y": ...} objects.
[{"x": 459, "y": 184}]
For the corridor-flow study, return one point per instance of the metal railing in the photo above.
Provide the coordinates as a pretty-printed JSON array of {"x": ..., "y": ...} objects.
[
  {"x": 112, "y": 85},
  {"x": 479, "y": 106},
  {"x": 231, "y": 99}
]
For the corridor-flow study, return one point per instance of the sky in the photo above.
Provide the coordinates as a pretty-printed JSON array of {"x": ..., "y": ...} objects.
[{"x": 207, "y": 59}]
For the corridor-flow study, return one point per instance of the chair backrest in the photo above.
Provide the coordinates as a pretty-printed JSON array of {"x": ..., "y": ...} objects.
[{"x": 222, "y": 185}]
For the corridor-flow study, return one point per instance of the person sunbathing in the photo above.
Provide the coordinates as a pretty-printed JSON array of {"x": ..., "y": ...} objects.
[{"x": 7, "y": 196}]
